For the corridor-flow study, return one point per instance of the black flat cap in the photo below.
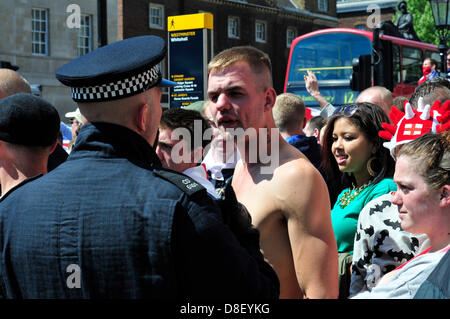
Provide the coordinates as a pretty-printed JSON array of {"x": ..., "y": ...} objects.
[
  {"x": 116, "y": 71},
  {"x": 28, "y": 120}
]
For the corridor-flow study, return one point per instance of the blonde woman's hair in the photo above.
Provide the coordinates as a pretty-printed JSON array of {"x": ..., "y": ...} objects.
[{"x": 430, "y": 155}]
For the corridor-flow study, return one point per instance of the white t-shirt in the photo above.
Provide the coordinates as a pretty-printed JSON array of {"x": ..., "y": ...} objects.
[{"x": 405, "y": 283}]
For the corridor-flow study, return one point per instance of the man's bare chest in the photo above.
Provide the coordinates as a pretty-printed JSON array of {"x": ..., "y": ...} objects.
[{"x": 256, "y": 197}]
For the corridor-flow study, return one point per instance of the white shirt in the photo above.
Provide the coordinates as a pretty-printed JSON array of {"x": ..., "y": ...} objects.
[
  {"x": 198, "y": 173},
  {"x": 216, "y": 167}
]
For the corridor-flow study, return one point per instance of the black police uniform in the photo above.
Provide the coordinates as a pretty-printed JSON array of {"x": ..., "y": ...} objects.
[{"x": 110, "y": 223}]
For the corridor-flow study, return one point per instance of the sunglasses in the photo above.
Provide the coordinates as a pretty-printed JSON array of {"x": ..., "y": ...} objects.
[{"x": 346, "y": 110}]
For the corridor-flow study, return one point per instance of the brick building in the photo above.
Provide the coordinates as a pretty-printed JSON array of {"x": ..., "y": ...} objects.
[
  {"x": 363, "y": 14},
  {"x": 268, "y": 25},
  {"x": 39, "y": 36}
]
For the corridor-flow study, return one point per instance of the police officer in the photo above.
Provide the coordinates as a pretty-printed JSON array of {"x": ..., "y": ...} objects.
[{"x": 109, "y": 222}]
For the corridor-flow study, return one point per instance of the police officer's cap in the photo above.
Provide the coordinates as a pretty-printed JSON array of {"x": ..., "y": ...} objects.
[
  {"x": 116, "y": 71},
  {"x": 28, "y": 120}
]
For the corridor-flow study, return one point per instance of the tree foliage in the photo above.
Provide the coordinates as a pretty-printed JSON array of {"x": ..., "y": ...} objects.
[{"x": 423, "y": 20}]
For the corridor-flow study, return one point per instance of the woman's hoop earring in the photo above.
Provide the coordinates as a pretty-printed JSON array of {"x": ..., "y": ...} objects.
[{"x": 369, "y": 167}]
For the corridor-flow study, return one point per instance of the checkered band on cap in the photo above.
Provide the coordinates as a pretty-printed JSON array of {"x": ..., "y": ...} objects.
[{"x": 119, "y": 89}]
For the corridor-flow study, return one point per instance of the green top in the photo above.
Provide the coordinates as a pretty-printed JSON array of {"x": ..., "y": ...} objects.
[{"x": 345, "y": 220}]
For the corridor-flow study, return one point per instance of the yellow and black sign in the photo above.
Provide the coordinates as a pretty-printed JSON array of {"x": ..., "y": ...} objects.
[
  {"x": 190, "y": 22},
  {"x": 190, "y": 49}
]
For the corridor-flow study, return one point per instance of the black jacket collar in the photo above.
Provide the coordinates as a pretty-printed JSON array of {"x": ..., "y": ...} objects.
[
  {"x": 25, "y": 181},
  {"x": 107, "y": 140}
]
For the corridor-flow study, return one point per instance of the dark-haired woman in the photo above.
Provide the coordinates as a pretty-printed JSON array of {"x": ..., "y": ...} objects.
[{"x": 353, "y": 150}]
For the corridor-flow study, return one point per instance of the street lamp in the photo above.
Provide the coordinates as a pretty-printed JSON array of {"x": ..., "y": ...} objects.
[{"x": 441, "y": 15}]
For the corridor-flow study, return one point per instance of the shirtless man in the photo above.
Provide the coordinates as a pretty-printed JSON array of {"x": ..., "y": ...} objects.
[{"x": 289, "y": 206}]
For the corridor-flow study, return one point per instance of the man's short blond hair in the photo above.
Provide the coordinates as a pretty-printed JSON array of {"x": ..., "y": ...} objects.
[
  {"x": 288, "y": 112},
  {"x": 256, "y": 59}
]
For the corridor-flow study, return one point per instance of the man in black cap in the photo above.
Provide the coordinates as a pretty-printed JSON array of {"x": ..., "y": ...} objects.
[
  {"x": 29, "y": 127},
  {"x": 110, "y": 223},
  {"x": 11, "y": 83}
]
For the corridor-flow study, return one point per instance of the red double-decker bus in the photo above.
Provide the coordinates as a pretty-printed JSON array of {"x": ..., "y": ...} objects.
[{"x": 329, "y": 53}]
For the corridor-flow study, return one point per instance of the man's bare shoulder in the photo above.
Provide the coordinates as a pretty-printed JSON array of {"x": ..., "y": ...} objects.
[
  {"x": 294, "y": 176},
  {"x": 297, "y": 184},
  {"x": 293, "y": 165}
]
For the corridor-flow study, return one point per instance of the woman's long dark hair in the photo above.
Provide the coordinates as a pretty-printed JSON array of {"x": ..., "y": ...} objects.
[{"x": 368, "y": 118}]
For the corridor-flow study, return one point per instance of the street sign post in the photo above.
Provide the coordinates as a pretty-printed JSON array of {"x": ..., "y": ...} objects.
[{"x": 190, "y": 46}]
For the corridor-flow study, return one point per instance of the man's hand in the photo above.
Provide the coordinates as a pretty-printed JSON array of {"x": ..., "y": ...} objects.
[{"x": 312, "y": 86}]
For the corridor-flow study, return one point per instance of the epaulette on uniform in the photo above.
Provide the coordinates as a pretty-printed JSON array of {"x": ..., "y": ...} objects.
[{"x": 183, "y": 182}]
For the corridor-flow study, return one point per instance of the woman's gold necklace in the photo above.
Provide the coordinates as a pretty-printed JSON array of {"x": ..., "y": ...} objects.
[{"x": 351, "y": 194}]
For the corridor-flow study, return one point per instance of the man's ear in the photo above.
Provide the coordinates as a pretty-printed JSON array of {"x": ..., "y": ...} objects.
[
  {"x": 316, "y": 133},
  {"x": 52, "y": 149},
  {"x": 445, "y": 196},
  {"x": 142, "y": 117},
  {"x": 271, "y": 97}
]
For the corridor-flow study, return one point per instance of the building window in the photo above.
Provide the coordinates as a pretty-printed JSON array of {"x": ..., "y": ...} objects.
[
  {"x": 85, "y": 35},
  {"x": 233, "y": 27},
  {"x": 323, "y": 5},
  {"x": 39, "y": 29},
  {"x": 156, "y": 16},
  {"x": 291, "y": 34},
  {"x": 260, "y": 31}
]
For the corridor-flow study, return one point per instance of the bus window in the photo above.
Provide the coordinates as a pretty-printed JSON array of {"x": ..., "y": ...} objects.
[
  {"x": 329, "y": 56},
  {"x": 412, "y": 60},
  {"x": 435, "y": 56},
  {"x": 396, "y": 64}
]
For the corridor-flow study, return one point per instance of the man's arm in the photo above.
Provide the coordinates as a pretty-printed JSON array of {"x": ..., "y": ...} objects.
[
  {"x": 212, "y": 263},
  {"x": 312, "y": 86},
  {"x": 311, "y": 234}
]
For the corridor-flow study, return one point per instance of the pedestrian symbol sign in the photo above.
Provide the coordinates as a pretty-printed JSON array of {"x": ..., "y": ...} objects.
[{"x": 190, "y": 49}]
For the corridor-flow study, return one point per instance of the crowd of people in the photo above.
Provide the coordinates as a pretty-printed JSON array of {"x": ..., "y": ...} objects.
[{"x": 241, "y": 197}]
